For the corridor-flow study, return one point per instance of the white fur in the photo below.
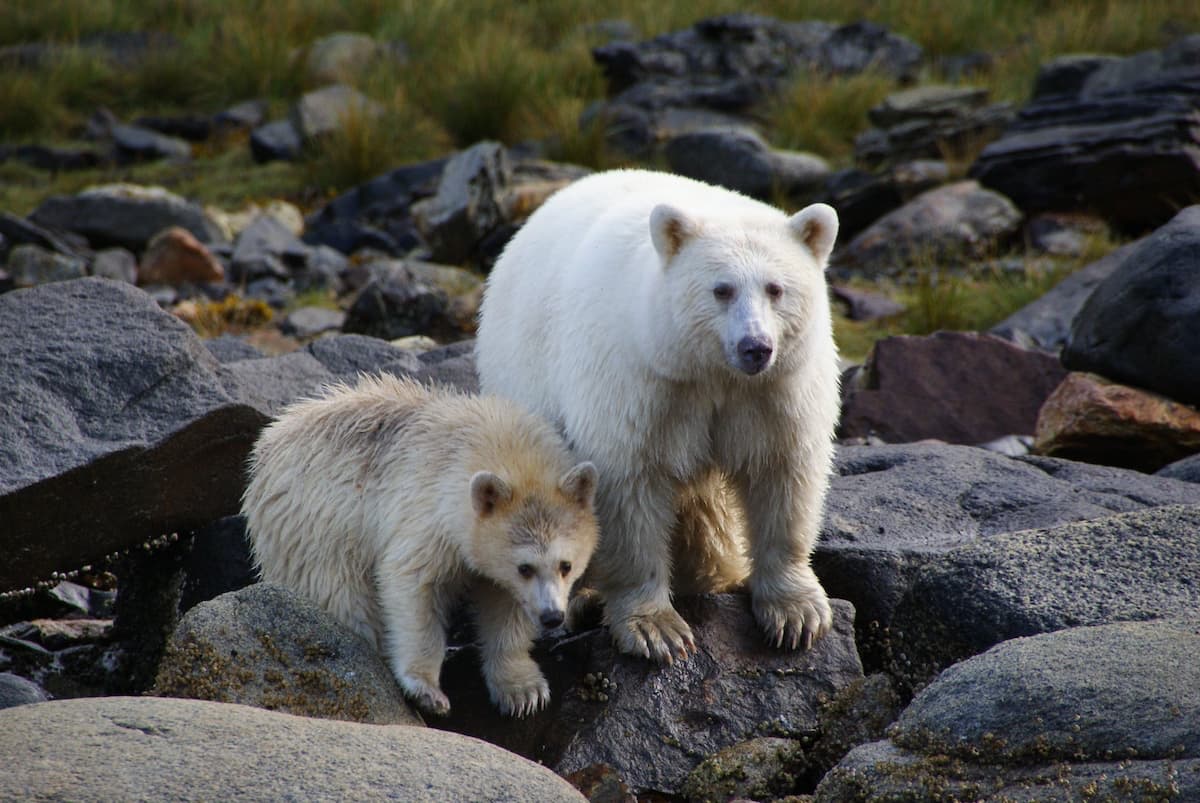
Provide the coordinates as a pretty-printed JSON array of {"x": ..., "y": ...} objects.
[
  {"x": 601, "y": 316},
  {"x": 385, "y": 502}
]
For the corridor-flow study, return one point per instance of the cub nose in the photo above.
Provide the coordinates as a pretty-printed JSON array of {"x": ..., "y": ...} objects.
[
  {"x": 753, "y": 354},
  {"x": 552, "y": 619}
]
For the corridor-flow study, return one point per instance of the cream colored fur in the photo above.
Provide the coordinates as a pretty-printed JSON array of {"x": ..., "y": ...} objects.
[
  {"x": 679, "y": 335},
  {"x": 385, "y": 502}
]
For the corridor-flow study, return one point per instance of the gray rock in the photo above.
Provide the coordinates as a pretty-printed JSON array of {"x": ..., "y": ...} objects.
[
  {"x": 960, "y": 387},
  {"x": 1046, "y": 322},
  {"x": 397, "y": 306},
  {"x": 276, "y": 141},
  {"x": 229, "y": 348},
  {"x": 1138, "y": 325},
  {"x": 244, "y": 116},
  {"x": 271, "y": 383},
  {"x": 218, "y": 562},
  {"x": 347, "y": 356},
  {"x": 126, "y": 748},
  {"x": 861, "y": 197},
  {"x": 266, "y": 248},
  {"x": 652, "y": 725},
  {"x": 31, "y": 265},
  {"x": 324, "y": 111},
  {"x": 452, "y": 365},
  {"x": 127, "y": 215},
  {"x": 16, "y": 690},
  {"x": 1186, "y": 470},
  {"x": 1106, "y": 713},
  {"x": 345, "y": 56},
  {"x": 957, "y": 221},
  {"x": 308, "y": 322},
  {"x": 109, "y": 435},
  {"x": 741, "y": 160},
  {"x": 865, "y": 305},
  {"x": 269, "y": 647},
  {"x": 467, "y": 205},
  {"x": 894, "y": 509},
  {"x": 115, "y": 263},
  {"x": 17, "y": 230},
  {"x": 134, "y": 143}
]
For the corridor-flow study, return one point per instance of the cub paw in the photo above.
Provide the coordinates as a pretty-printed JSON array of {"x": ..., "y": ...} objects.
[
  {"x": 522, "y": 697},
  {"x": 660, "y": 635},
  {"x": 794, "y": 620},
  {"x": 427, "y": 696}
]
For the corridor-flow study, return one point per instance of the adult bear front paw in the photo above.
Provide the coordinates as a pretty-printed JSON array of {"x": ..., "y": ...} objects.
[
  {"x": 795, "y": 619},
  {"x": 520, "y": 694},
  {"x": 660, "y": 635}
]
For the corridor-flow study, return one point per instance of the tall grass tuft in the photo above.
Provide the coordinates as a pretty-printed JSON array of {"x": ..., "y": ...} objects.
[{"x": 823, "y": 115}]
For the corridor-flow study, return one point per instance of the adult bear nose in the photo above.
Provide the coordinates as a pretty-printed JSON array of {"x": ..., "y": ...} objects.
[
  {"x": 552, "y": 619},
  {"x": 754, "y": 353}
]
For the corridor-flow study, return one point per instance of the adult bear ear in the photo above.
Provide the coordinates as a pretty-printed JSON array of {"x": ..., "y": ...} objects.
[
  {"x": 579, "y": 484},
  {"x": 488, "y": 492},
  {"x": 816, "y": 226},
  {"x": 670, "y": 229}
]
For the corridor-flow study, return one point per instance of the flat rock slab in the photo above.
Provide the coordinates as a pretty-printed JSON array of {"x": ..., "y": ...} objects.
[
  {"x": 147, "y": 748},
  {"x": 1106, "y": 713},
  {"x": 652, "y": 725},
  {"x": 893, "y": 509},
  {"x": 115, "y": 427}
]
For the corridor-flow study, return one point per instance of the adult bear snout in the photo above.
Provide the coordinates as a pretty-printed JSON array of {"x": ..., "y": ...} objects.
[{"x": 754, "y": 354}]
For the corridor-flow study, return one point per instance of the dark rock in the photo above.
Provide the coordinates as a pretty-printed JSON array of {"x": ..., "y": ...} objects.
[
  {"x": 324, "y": 111},
  {"x": 269, "y": 647},
  {"x": 229, "y": 348},
  {"x": 244, "y": 116},
  {"x": 1066, "y": 75},
  {"x": 652, "y": 724},
  {"x": 16, "y": 690},
  {"x": 324, "y": 268},
  {"x": 276, "y": 141},
  {"x": 1062, "y": 234},
  {"x": 30, "y": 265},
  {"x": 395, "y": 306},
  {"x": 861, "y": 46},
  {"x": 308, "y": 322},
  {"x": 188, "y": 750},
  {"x": 1185, "y": 470},
  {"x": 272, "y": 383},
  {"x": 189, "y": 127},
  {"x": 1138, "y": 325},
  {"x": 864, "y": 305},
  {"x": 58, "y": 159},
  {"x": 347, "y": 356},
  {"x": 959, "y": 387},
  {"x": 115, "y": 263},
  {"x": 467, "y": 205},
  {"x": 218, "y": 562},
  {"x": 376, "y": 214},
  {"x": 741, "y": 160},
  {"x": 266, "y": 248},
  {"x": 1103, "y": 712},
  {"x": 452, "y": 365},
  {"x": 758, "y": 769},
  {"x": 109, "y": 435},
  {"x": 957, "y": 221},
  {"x": 893, "y": 509},
  {"x": 274, "y": 292},
  {"x": 862, "y": 197},
  {"x": 126, "y": 215},
  {"x": 18, "y": 230},
  {"x": 136, "y": 144},
  {"x": 1113, "y": 138}
]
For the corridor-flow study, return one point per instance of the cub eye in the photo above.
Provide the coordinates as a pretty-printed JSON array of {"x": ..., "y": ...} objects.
[
  {"x": 525, "y": 570},
  {"x": 565, "y": 567},
  {"x": 723, "y": 292},
  {"x": 774, "y": 291}
]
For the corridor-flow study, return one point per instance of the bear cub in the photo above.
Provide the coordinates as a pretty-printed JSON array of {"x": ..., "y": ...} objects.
[{"x": 386, "y": 502}]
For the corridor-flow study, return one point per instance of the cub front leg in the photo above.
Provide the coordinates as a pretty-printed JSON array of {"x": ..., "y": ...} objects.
[
  {"x": 783, "y": 511},
  {"x": 632, "y": 570},
  {"x": 414, "y": 634},
  {"x": 506, "y": 632}
]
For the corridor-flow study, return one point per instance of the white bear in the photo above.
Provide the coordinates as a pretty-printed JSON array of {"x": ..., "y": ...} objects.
[
  {"x": 386, "y": 501},
  {"x": 679, "y": 335}
]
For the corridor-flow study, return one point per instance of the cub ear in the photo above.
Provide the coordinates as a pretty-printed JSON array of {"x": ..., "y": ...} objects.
[
  {"x": 816, "y": 226},
  {"x": 488, "y": 492},
  {"x": 670, "y": 229},
  {"x": 579, "y": 484}
]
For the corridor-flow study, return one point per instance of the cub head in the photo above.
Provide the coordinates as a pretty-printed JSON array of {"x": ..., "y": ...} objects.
[
  {"x": 744, "y": 291},
  {"x": 536, "y": 545}
]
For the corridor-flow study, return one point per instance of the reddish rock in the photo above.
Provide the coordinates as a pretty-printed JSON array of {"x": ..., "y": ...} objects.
[
  {"x": 1091, "y": 419},
  {"x": 174, "y": 256},
  {"x": 959, "y": 387}
]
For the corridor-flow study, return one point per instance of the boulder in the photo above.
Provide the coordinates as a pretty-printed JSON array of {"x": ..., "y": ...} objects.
[
  {"x": 134, "y": 143},
  {"x": 452, "y": 365},
  {"x": 1186, "y": 470},
  {"x": 305, "y": 323},
  {"x": 16, "y": 690},
  {"x": 398, "y": 306},
  {"x": 109, "y": 435},
  {"x": 861, "y": 197},
  {"x": 1105, "y": 713},
  {"x": 30, "y": 265},
  {"x": 272, "y": 648},
  {"x": 1091, "y": 419},
  {"x": 468, "y": 204},
  {"x": 190, "y": 127},
  {"x": 1115, "y": 137},
  {"x": 652, "y": 725},
  {"x": 266, "y": 248},
  {"x": 174, "y": 257},
  {"x": 893, "y": 509},
  {"x": 118, "y": 264},
  {"x": 16, "y": 230},
  {"x": 324, "y": 111},
  {"x": 958, "y": 221},
  {"x": 1138, "y": 325},
  {"x": 276, "y": 141},
  {"x": 346, "y": 55},
  {"x": 960, "y": 387},
  {"x": 272, "y": 383},
  {"x": 346, "y": 356},
  {"x": 127, "y": 215},
  {"x": 1123, "y": 567},
  {"x": 1046, "y": 322},
  {"x": 864, "y": 305},
  {"x": 55, "y": 160},
  {"x": 135, "y": 748},
  {"x": 741, "y": 160},
  {"x": 244, "y": 116}
]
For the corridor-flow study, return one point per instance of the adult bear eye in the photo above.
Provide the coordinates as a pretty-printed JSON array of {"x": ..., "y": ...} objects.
[
  {"x": 525, "y": 570},
  {"x": 774, "y": 291},
  {"x": 565, "y": 567},
  {"x": 723, "y": 292}
]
